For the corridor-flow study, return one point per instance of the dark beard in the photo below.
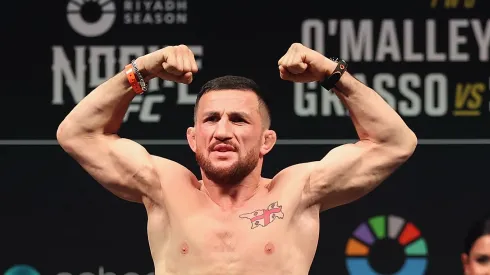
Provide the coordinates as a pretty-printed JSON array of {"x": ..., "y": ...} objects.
[{"x": 230, "y": 176}]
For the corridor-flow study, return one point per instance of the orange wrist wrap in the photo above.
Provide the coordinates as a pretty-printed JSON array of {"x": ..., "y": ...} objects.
[{"x": 133, "y": 80}]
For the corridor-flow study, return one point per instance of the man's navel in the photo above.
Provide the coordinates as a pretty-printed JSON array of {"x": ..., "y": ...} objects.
[{"x": 184, "y": 249}]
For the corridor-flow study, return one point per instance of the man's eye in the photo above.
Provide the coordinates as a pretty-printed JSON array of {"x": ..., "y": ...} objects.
[
  {"x": 211, "y": 119},
  {"x": 237, "y": 119},
  {"x": 483, "y": 259}
]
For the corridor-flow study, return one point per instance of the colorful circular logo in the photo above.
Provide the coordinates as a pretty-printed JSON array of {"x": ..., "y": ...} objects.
[
  {"x": 386, "y": 245},
  {"x": 21, "y": 270}
]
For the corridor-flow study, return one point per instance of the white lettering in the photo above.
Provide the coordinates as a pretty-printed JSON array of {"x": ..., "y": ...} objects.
[
  {"x": 62, "y": 70},
  {"x": 181, "y": 5},
  {"x": 169, "y": 18},
  {"x": 413, "y": 106},
  {"x": 403, "y": 93},
  {"x": 139, "y": 18},
  {"x": 388, "y": 42},
  {"x": 431, "y": 45},
  {"x": 146, "y": 114},
  {"x": 455, "y": 40},
  {"x": 154, "y": 6},
  {"x": 183, "y": 96},
  {"x": 482, "y": 38},
  {"x": 356, "y": 48},
  {"x": 169, "y": 5},
  {"x": 332, "y": 27},
  {"x": 105, "y": 57},
  {"x": 409, "y": 103},
  {"x": 305, "y": 103},
  {"x": 158, "y": 6},
  {"x": 98, "y": 52},
  {"x": 144, "y": 105},
  {"x": 134, "y": 107},
  {"x": 436, "y": 101},
  {"x": 128, "y": 5},
  {"x": 317, "y": 41},
  {"x": 181, "y": 18},
  {"x": 357, "y": 40},
  {"x": 408, "y": 43}
]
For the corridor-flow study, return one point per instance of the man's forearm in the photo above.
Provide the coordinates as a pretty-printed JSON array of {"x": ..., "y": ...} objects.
[{"x": 373, "y": 118}]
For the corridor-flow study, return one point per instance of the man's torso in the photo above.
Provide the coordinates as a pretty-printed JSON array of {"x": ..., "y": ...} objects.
[{"x": 273, "y": 233}]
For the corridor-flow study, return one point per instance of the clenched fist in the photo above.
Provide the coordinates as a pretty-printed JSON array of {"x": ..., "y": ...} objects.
[
  {"x": 173, "y": 63},
  {"x": 301, "y": 64}
]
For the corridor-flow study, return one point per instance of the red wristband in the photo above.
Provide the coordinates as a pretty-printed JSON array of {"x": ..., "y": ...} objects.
[{"x": 133, "y": 79}]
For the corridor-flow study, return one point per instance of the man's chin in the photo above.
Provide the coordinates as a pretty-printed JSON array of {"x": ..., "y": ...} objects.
[
  {"x": 221, "y": 173},
  {"x": 223, "y": 166},
  {"x": 222, "y": 155}
]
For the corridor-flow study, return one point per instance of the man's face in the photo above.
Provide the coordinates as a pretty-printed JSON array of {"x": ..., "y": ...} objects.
[
  {"x": 229, "y": 135},
  {"x": 478, "y": 261}
]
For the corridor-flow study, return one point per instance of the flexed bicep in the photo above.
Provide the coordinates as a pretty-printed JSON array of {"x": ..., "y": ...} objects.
[
  {"x": 89, "y": 131},
  {"x": 349, "y": 172},
  {"x": 122, "y": 166}
]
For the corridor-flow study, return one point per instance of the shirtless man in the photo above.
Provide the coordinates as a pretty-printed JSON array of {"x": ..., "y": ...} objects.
[{"x": 234, "y": 221}]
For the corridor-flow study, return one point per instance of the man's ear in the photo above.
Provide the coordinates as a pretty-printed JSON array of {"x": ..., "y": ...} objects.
[
  {"x": 191, "y": 138},
  {"x": 269, "y": 141},
  {"x": 464, "y": 262}
]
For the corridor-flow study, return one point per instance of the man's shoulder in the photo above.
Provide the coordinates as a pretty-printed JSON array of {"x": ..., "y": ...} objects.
[
  {"x": 292, "y": 175},
  {"x": 295, "y": 170},
  {"x": 167, "y": 167},
  {"x": 162, "y": 163}
]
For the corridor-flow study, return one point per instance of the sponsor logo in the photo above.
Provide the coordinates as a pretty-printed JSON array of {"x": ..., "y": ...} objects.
[
  {"x": 91, "y": 18},
  {"x": 95, "y": 18},
  {"x": 21, "y": 270},
  {"x": 386, "y": 244}
]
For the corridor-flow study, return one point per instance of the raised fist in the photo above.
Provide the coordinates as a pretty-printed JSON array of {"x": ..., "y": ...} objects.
[
  {"x": 173, "y": 63},
  {"x": 301, "y": 64}
]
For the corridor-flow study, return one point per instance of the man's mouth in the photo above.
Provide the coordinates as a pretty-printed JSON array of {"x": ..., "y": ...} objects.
[{"x": 223, "y": 148}]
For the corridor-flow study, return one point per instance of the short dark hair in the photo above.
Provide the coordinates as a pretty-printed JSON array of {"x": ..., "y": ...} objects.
[
  {"x": 231, "y": 82},
  {"x": 478, "y": 229}
]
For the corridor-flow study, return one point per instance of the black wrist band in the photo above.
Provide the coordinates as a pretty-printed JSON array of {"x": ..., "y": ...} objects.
[{"x": 330, "y": 82}]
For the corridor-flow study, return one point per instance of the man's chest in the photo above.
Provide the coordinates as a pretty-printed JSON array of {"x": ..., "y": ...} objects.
[
  {"x": 261, "y": 228},
  {"x": 263, "y": 234}
]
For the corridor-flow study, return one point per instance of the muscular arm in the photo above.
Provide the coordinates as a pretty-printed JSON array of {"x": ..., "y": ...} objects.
[
  {"x": 89, "y": 135},
  {"x": 350, "y": 171}
]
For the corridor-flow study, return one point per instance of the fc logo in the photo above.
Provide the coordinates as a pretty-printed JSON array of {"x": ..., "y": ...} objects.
[{"x": 91, "y": 18}]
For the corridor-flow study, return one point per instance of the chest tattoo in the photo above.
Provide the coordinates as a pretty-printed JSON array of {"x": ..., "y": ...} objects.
[{"x": 264, "y": 217}]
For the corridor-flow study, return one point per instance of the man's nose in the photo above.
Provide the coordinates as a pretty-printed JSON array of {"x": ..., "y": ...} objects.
[{"x": 223, "y": 131}]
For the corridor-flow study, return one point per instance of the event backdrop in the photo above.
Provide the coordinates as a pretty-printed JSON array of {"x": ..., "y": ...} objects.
[{"x": 427, "y": 58}]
